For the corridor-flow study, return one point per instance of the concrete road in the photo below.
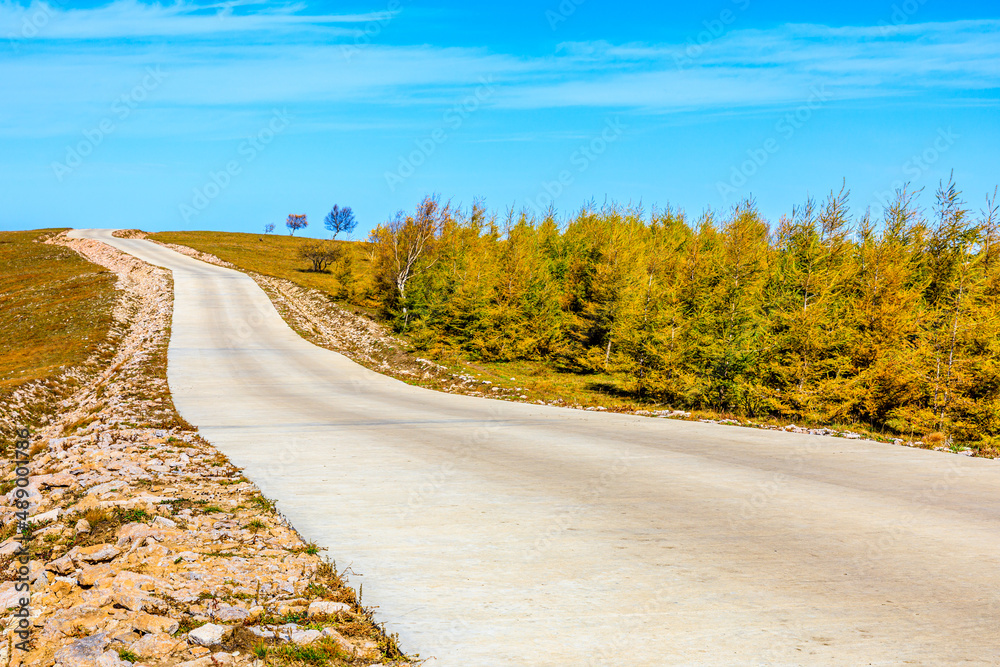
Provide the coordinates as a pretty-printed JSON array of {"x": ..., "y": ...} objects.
[{"x": 494, "y": 533}]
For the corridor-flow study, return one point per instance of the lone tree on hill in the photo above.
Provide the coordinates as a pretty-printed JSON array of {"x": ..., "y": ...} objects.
[
  {"x": 340, "y": 220},
  {"x": 320, "y": 253},
  {"x": 268, "y": 228},
  {"x": 295, "y": 223}
]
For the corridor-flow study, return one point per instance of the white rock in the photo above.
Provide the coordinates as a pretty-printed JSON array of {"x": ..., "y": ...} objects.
[
  {"x": 165, "y": 522},
  {"x": 111, "y": 659},
  {"x": 105, "y": 487},
  {"x": 9, "y": 548},
  {"x": 10, "y": 596},
  {"x": 208, "y": 635},
  {"x": 326, "y": 608},
  {"x": 51, "y": 515},
  {"x": 303, "y": 637},
  {"x": 228, "y": 613}
]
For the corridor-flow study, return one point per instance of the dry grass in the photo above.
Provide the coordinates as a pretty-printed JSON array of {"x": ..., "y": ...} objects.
[
  {"x": 273, "y": 255},
  {"x": 55, "y": 308}
]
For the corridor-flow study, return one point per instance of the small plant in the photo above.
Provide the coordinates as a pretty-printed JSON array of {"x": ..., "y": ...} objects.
[
  {"x": 134, "y": 516},
  {"x": 263, "y": 502},
  {"x": 96, "y": 516},
  {"x": 310, "y": 548},
  {"x": 935, "y": 439},
  {"x": 256, "y": 526},
  {"x": 128, "y": 655},
  {"x": 211, "y": 509}
]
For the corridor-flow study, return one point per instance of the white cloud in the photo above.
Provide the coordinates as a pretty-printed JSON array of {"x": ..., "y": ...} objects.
[
  {"x": 133, "y": 19},
  {"x": 52, "y": 82}
]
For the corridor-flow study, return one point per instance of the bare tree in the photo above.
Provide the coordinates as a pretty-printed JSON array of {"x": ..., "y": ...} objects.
[
  {"x": 295, "y": 223},
  {"x": 268, "y": 228},
  {"x": 320, "y": 253},
  {"x": 400, "y": 246}
]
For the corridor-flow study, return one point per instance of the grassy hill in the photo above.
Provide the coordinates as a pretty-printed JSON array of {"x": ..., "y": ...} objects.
[
  {"x": 55, "y": 308},
  {"x": 270, "y": 254}
]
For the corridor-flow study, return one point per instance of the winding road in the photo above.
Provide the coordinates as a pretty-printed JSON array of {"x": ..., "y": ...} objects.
[{"x": 498, "y": 533}]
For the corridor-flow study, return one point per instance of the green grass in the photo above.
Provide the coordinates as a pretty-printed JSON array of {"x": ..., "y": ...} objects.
[
  {"x": 55, "y": 308},
  {"x": 126, "y": 654}
]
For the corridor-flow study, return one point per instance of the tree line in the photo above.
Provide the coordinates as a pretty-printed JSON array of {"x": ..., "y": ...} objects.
[{"x": 826, "y": 316}]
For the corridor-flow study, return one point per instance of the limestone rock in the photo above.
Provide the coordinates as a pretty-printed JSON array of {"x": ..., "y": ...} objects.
[
  {"x": 83, "y": 652},
  {"x": 111, "y": 659},
  {"x": 60, "y": 479},
  {"x": 157, "y": 645},
  {"x": 151, "y": 624},
  {"x": 326, "y": 608},
  {"x": 10, "y": 548},
  {"x": 45, "y": 517},
  {"x": 10, "y": 596},
  {"x": 94, "y": 573},
  {"x": 62, "y": 565},
  {"x": 208, "y": 635},
  {"x": 303, "y": 637},
  {"x": 99, "y": 553}
]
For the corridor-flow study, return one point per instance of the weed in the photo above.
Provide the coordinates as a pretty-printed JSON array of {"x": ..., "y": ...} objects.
[
  {"x": 135, "y": 516},
  {"x": 263, "y": 503},
  {"x": 128, "y": 655}
]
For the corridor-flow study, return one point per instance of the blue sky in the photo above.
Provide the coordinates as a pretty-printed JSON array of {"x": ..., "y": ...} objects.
[{"x": 230, "y": 115}]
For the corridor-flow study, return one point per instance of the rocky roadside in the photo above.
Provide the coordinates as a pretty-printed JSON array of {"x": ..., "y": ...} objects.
[{"x": 145, "y": 545}]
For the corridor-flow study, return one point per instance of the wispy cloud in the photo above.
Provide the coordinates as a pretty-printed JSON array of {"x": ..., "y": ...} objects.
[
  {"x": 755, "y": 67},
  {"x": 133, "y": 19},
  {"x": 81, "y": 59}
]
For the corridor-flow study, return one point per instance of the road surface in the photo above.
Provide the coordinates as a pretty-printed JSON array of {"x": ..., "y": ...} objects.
[{"x": 497, "y": 533}]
